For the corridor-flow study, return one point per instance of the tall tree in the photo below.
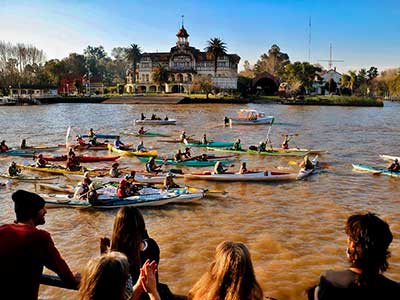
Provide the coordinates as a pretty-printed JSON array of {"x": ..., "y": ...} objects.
[
  {"x": 133, "y": 55},
  {"x": 272, "y": 62},
  {"x": 159, "y": 75},
  {"x": 215, "y": 49}
]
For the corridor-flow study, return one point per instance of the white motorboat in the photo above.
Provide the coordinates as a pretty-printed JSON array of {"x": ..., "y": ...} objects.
[{"x": 251, "y": 117}]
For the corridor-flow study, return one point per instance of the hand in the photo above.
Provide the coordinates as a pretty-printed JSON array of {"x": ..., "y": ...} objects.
[
  {"x": 149, "y": 281},
  {"x": 104, "y": 244}
]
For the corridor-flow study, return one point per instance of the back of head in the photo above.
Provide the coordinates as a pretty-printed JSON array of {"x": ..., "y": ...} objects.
[
  {"x": 229, "y": 277},
  {"x": 105, "y": 277},
  {"x": 371, "y": 237},
  {"x": 127, "y": 235},
  {"x": 26, "y": 205}
]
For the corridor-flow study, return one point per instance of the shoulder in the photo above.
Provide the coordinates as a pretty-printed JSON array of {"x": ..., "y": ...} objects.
[{"x": 340, "y": 279}]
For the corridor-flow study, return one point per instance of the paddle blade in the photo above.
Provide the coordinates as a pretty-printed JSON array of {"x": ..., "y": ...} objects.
[
  {"x": 376, "y": 173},
  {"x": 292, "y": 163}
]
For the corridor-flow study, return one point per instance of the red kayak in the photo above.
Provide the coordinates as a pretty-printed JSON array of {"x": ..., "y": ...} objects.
[{"x": 81, "y": 158}]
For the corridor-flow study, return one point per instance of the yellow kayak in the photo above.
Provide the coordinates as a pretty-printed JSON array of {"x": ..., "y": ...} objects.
[
  {"x": 53, "y": 170},
  {"x": 132, "y": 153}
]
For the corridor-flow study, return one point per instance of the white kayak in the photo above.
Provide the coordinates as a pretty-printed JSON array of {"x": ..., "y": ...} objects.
[
  {"x": 389, "y": 157},
  {"x": 156, "y": 122},
  {"x": 142, "y": 178},
  {"x": 251, "y": 176},
  {"x": 109, "y": 202},
  {"x": 303, "y": 173}
]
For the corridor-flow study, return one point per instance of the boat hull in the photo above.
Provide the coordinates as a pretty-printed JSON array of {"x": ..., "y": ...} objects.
[
  {"x": 250, "y": 177},
  {"x": 132, "y": 153},
  {"x": 156, "y": 122},
  {"x": 365, "y": 168}
]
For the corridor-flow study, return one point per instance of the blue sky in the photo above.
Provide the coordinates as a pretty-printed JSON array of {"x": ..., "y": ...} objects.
[{"x": 363, "y": 33}]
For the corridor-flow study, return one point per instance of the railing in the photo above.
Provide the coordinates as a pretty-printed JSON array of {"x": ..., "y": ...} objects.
[{"x": 54, "y": 280}]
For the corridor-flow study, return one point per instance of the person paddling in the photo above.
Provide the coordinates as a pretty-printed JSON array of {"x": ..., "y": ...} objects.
[
  {"x": 169, "y": 182},
  {"x": 178, "y": 156},
  {"x": 23, "y": 144},
  {"x": 219, "y": 168},
  {"x": 13, "y": 170},
  {"x": 142, "y": 131},
  {"x": 141, "y": 147},
  {"x": 3, "y": 146},
  {"x": 183, "y": 136},
  {"x": 286, "y": 140},
  {"x": 243, "y": 168},
  {"x": 306, "y": 164},
  {"x": 204, "y": 139},
  {"x": 41, "y": 162},
  {"x": 118, "y": 143},
  {"x": 237, "y": 146},
  {"x": 151, "y": 166},
  {"x": 394, "y": 166},
  {"x": 114, "y": 172}
]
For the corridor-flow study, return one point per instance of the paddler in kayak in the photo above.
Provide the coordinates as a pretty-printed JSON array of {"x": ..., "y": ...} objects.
[
  {"x": 71, "y": 152},
  {"x": 141, "y": 147},
  {"x": 394, "y": 166},
  {"x": 73, "y": 163},
  {"x": 114, "y": 172},
  {"x": 243, "y": 168},
  {"x": 142, "y": 131},
  {"x": 178, "y": 156},
  {"x": 237, "y": 145},
  {"x": 40, "y": 161},
  {"x": 204, "y": 139},
  {"x": 13, "y": 170},
  {"x": 306, "y": 164},
  {"x": 183, "y": 137},
  {"x": 23, "y": 144},
  {"x": 151, "y": 166},
  {"x": 187, "y": 154},
  {"x": 80, "y": 140},
  {"x": 262, "y": 147},
  {"x": 169, "y": 182},
  {"x": 219, "y": 168},
  {"x": 118, "y": 143},
  {"x": 92, "y": 137},
  {"x": 3, "y": 146},
  {"x": 286, "y": 140}
]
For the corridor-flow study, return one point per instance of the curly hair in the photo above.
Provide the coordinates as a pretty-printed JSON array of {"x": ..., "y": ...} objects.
[{"x": 371, "y": 238}]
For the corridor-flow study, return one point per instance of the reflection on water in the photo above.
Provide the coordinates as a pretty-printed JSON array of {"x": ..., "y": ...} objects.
[{"x": 294, "y": 230}]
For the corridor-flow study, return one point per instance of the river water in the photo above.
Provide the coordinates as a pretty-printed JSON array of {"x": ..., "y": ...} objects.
[{"x": 294, "y": 230}]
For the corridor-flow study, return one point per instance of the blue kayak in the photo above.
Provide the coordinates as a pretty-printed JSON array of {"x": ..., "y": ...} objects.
[
  {"x": 376, "y": 171},
  {"x": 102, "y": 136},
  {"x": 18, "y": 152}
]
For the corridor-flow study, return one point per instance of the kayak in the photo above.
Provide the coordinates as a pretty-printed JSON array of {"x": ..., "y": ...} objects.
[
  {"x": 251, "y": 176},
  {"x": 268, "y": 152},
  {"x": 210, "y": 144},
  {"x": 29, "y": 178},
  {"x": 185, "y": 194},
  {"x": 51, "y": 169},
  {"x": 81, "y": 158},
  {"x": 376, "y": 171},
  {"x": 132, "y": 153},
  {"x": 18, "y": 152},
  {"x": 187, "y": 163},
  {"x": 110, "y": 202},
  {"x": 40, "y": 148},
  {"x": 389, "y": 157},
  {"x": 64, "y": 188},
  {"x": 142, "y": 178},
  {"x": 303, "y": 173},
  {"x": 146, "y": 134},
  {"x": 156, "y": 122},
  {"x": 102, "y": 136},
  {"x": 176, "y": 141},
  {"x": 99, "y": 146}
]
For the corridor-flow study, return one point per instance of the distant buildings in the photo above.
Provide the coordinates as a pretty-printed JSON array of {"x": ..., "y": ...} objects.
[
  {"x": 183, "y": 63},
  {"x": 326, "y": 76}
]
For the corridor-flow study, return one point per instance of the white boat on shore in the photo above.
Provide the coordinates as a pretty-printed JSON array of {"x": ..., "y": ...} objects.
[
  {"x": 8, "y": 101},
  {"x": 251, "y": 117}
]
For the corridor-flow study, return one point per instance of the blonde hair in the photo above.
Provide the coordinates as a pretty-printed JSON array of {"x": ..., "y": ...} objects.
[
  {"x": 105, "y": 277},
  {"x": 229, "y": 277}
]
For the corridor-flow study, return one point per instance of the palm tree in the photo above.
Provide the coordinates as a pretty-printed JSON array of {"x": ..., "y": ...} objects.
[
  {"x": 160, "y": 75},
  {"x": 215, "y": 48},
  {"x": 353, "y": 81},
  {"x": 132, "y": 55}
]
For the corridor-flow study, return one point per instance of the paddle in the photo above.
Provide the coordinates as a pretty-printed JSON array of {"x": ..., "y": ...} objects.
[
  {"x": 320, "y": 165},
  {"x": 207, "y": 191}
]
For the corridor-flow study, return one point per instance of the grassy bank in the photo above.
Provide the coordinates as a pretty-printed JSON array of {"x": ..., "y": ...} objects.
[{"x": 327, "y": 100}]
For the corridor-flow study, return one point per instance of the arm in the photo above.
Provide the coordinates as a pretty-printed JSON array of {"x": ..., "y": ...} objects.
[{"x": 54, "y": 262}]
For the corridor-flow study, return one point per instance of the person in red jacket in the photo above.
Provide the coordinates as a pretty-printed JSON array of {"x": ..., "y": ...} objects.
[{"x": 25, "y": 250}]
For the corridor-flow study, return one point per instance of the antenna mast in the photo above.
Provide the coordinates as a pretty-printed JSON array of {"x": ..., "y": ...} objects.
[
  {"x": 309, "y": 39},
  {"x": 331, "y": 60}
]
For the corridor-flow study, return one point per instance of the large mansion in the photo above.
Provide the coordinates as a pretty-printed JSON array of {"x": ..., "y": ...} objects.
[{"x": 183, "y": 63}]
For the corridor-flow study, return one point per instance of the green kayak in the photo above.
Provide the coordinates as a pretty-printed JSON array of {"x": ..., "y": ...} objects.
[
  {"x": 187, "y": 163},
  {"x": 268, "y": 152},
  {"x": 210, "y": 144}
]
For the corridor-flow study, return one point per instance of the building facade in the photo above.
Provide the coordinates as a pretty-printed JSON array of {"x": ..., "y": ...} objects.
[{"x": 183, "y": 64}]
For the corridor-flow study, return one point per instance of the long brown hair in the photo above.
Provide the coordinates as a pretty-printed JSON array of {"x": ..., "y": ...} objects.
[
  {"x": 229, "y": 277},
  {"x": 127, "y": 237},
  {"x": 105, "y": 277}
]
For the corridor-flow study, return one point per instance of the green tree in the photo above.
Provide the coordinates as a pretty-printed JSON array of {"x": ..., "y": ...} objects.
[
  {"x": 159, "y": 75},
  {"x": 303, "y": 72},
  {"x": 55, "y": 69},
  {"x": 133, "y": 55},
  {"x": 272, "y": 62},
  {"x": 202, "y": 84},
  {"x": 215, "y": 48},
  {"x": 353, "y": 81},
  {"x": 372, "y": 73}
]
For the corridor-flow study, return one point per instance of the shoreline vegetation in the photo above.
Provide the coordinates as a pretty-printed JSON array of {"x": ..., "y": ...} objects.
[{"x": 202, "y": 99}]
